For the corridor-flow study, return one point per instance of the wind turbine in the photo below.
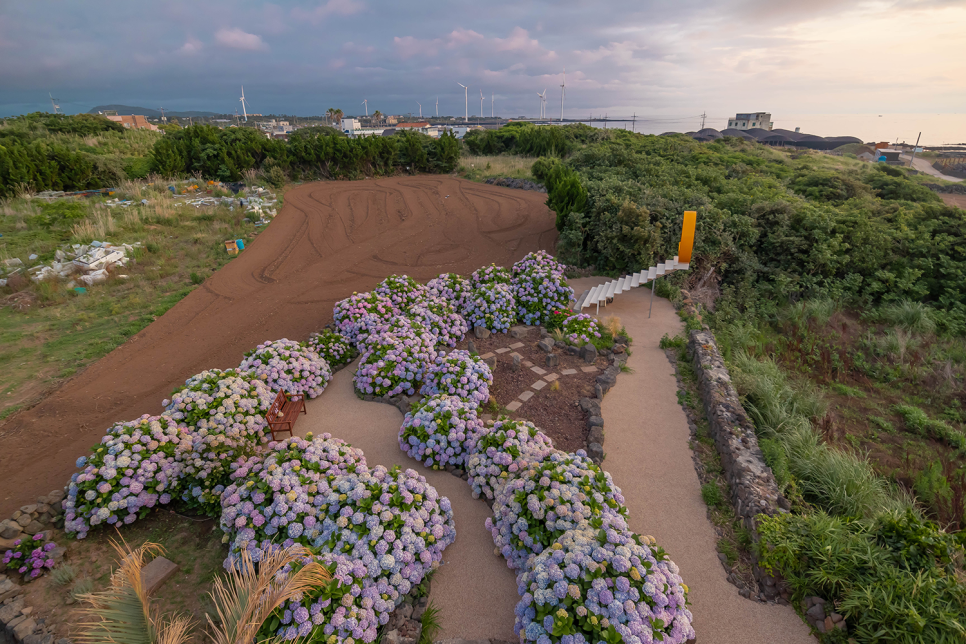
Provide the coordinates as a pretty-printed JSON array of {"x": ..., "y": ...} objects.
[
  {"x": 491, "y": 105},
  {"x": 420, "y": 110},
  {"x": 481, "y": 104},
  {"x": 53, "y": 101},
  {"x": 437, "y": 107},
  {"x": 365, "y": 102},
  {"x": 244, "y": 102},
  {"x": 466, "y": 100},
  {"x": 543, "y": 101},
  {"x": 563, "y": 92}
]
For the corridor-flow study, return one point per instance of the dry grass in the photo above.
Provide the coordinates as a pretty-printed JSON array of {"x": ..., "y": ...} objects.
[
  {"x": 613, "y": 324},
  {"x": 484, "y": 167},
  {"x": 98, "y": 226}
]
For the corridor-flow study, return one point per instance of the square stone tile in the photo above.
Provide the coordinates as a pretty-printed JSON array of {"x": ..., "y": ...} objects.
[
  {"x": 486, "y": 355},
  {"x": 538, "y": 370},
  {"x": 516, "y": 345},
  {"x": 527, "y": 363},
  {"x": 550, "y": 377},
  {"x": 517, "y": 355},
  {"x": 515, "y": 405},
  {"x": 569, "y": 372},
  {"x": 525, "y": 396},
  {"x": 538, "y": 385},
  {"x": 503, "y": 350},
  {"x": 589, "y": 369},
  {"x": 156, "y": 573}
]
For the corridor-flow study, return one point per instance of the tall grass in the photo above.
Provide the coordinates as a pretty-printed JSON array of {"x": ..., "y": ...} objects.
[
  {"x": 914, "y": 317},
  {"x": 842, "y": 482},
  {"x": 482, "y": 167}
]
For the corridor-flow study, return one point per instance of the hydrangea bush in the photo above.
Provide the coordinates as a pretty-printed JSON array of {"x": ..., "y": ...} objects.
[
  {"x": 440, "y": 319},
  {"x": 272, "y": 499},
  {"x": 403, "y": 291},
  {"x": 332, "y": 347},
  {"x": 492, "y": 306},
  {"x": 602, "y": 585},
  {"x": 441, "y": 431},
  {"x": 458, "y": 373},
  {"x": 539, "y": 262},
  {"x": 491, "y": 274},
  {"x": 357, "y": 313},
  {"x": 580, "y": 329},
  {"x": 134, "y": 468},
  {"x": 394, "y": 361},
  {"x": 30, "y": 557},
  {"x": 384, "y": 530},
  {"x": 501, "y": 452},
  {"x": 349, "y": 608},
  {"x": 227, "y": 414},
  {"x": 538, "y": 294},
  {"x": 560, "y": 493},
  {"x": 452, "y": 287},
  {"x": 286, "y": 365}
]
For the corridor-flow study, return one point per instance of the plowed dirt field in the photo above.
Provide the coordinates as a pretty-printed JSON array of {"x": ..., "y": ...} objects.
[{"x": 331, "y": 239}]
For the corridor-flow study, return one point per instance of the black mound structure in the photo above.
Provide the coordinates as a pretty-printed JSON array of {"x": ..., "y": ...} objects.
[{"x": 774, "y": 137}]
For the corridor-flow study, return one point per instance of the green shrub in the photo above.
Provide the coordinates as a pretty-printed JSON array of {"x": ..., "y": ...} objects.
[
  {"x": 895, "y": 579},
  {"x": 196, "y": 278},
  {"x": 918, "y": 421},
  {"x": 712, "y": 495},
  {"x": 677, "y": 342}
]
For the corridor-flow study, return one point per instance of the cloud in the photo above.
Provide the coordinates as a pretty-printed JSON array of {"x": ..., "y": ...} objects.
[
  {"x": 329, "y": 8},
  {"x": 238, "y": 39},
  {"x": 190, "y": 47}
]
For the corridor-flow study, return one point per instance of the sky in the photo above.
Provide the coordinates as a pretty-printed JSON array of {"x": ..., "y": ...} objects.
[{"x": 659, "y": 59}]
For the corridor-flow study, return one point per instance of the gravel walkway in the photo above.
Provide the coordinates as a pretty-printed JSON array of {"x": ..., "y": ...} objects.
[{"x": 647, "y": 453}]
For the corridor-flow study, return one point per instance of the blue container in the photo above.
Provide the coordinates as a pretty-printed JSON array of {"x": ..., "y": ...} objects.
[{"x": 241, "y": 244}]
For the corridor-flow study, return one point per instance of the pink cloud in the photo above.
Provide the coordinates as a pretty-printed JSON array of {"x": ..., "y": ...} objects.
[
  {"x": 190, "y": 47},
  {"x": 238, "y": 39},
  {"x": 329, "y": 8},
  {"x": 407, "y": 47}
]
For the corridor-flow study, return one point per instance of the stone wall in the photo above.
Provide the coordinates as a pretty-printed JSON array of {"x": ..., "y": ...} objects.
[{"x": 754, "y": 490}]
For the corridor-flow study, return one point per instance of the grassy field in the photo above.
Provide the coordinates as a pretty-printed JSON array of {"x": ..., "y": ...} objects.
[
  {"x": 479, "y": 168},
  {"x": 49, "y": 332}
]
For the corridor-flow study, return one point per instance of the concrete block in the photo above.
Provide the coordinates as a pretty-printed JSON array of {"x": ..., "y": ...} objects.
[{"x": 156, "y": 573}]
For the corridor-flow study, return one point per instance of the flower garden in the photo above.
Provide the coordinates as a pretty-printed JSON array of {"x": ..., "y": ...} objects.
[{"x": 558, "y": 519}]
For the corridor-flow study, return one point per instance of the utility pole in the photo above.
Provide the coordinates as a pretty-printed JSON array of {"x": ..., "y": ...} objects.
[
  {"x": 164, "y": 119},
  {"x": 912, "y": 160},
  {"x": 704, "y": 115},
  {"x": 634, "y": 123}
]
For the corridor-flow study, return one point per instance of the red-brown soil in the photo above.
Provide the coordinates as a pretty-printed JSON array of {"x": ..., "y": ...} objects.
[
  {"x": 954, "y": 200},
  {"x": 331, "y": 239}
]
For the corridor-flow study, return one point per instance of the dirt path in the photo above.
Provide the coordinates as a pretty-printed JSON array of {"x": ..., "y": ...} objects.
[
  {"x": 330, "y": 239},
  {"x": 647, "y": 453},
  {"x": 923, "y": 165}
]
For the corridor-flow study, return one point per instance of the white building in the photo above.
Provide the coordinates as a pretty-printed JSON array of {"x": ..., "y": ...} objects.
[
  {"x": 750, "y": 121},
  {"x": 354, "y": 130}
]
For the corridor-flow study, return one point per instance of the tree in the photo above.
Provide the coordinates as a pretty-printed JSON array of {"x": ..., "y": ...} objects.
[{"x": 377, "y": 115}]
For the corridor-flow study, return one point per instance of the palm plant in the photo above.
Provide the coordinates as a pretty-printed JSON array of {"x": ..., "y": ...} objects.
[
  {"x": 122, "y": 614},
  {"x": 248, "y": 598}
]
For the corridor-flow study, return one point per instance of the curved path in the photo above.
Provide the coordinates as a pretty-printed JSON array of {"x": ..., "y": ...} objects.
[
  {"x": 647, "y": 453},
  {"x": 329, "y": 240}
]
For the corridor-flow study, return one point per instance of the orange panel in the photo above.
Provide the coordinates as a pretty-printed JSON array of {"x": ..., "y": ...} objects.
[{"x": 687, "y": 236}]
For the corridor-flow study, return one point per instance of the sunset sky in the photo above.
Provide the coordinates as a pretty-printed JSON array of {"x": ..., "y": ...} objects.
[{"x": 674, "y": 59}]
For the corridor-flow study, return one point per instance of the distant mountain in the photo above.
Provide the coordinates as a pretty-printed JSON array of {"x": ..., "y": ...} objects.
[{"x": 127, "y": 109}]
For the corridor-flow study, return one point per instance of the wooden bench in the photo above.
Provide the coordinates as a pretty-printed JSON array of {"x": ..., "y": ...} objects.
[{"x": 284, "y": 412}]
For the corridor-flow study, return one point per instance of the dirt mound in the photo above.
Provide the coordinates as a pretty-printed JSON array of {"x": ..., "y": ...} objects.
[{"x": 331, "y": 239}]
